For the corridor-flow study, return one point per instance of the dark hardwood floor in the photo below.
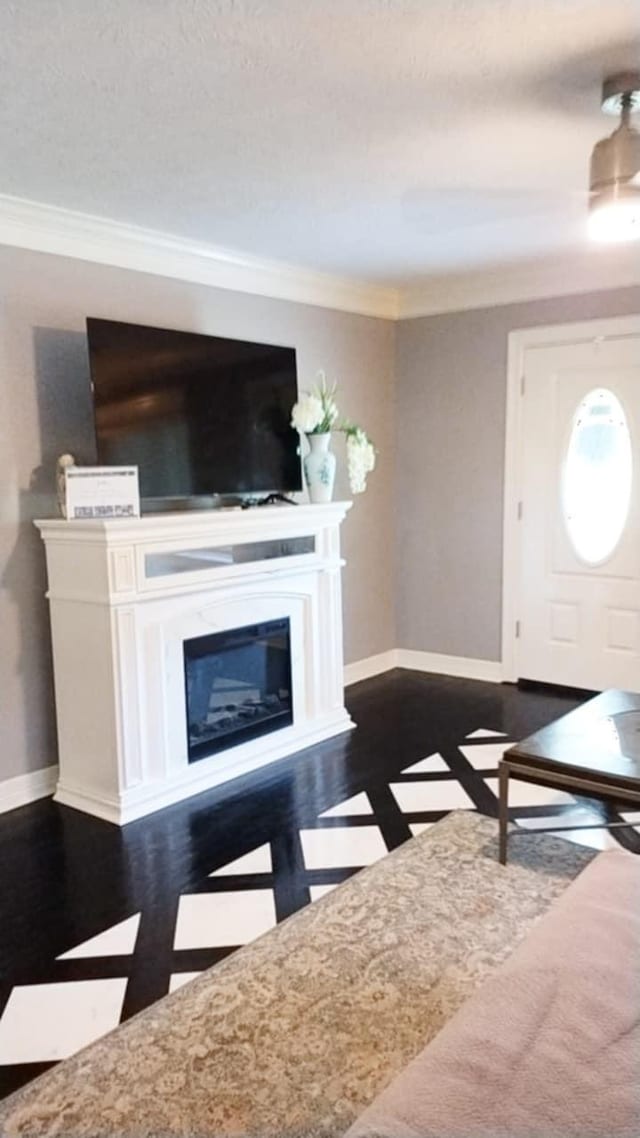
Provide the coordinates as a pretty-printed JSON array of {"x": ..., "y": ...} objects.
[{"x": 68, "y": 877}]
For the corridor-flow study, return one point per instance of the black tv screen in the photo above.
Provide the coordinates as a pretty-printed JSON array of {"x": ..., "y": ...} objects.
[{"x": 198, "y": 415}]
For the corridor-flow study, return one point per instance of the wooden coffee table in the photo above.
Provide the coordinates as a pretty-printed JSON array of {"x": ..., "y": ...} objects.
[{"x": 594, "y": 750}]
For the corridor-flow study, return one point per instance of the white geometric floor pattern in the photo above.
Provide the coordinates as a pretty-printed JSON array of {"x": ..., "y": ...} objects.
[
  {"x": 255, "y": 861},
  {"x": 214, "y": 920},
  {"x": 445, "y": 794},
  {"x": 359, "y": 804},
  {"x": 419, "y": 827},
  {"x": 44, "y": 1022},
  {"x": 529, "y": 794},
  {"x": 318, "y": 891},
  {"x": 337, "y": 847},
  {"x": 430, "y": 765},
  {"x": 484, "y": 756},
  {"x": 179, "y": 979},
  {"x": 119, "y": 940},
  {"x": 484, "y": 733}
]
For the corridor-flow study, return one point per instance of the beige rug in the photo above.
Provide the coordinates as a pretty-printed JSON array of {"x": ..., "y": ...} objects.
[{"x": 294, "y": 1034}]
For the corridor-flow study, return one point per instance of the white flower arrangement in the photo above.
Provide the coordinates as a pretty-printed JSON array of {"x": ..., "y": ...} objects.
[
  {"x": 316, "y": 413},
  {"x": 307, "y": 414},
  {"x": 361, "y": 459}
]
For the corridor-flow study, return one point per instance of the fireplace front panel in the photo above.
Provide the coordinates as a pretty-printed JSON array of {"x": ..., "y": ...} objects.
[{"x": 237, "y": 686}]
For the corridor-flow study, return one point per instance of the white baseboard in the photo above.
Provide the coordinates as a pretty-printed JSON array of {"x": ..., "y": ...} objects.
[
  {"x": 370, "y": 666},
  {"x": 25, "y": 788},
  {"x": 461, "y": 666}
]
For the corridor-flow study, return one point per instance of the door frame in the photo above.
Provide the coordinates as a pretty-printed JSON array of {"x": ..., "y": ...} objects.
[{"x": 520, "y": 341}]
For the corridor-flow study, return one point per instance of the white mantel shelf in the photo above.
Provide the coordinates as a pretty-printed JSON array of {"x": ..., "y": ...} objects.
[
  {"x": 124, "y": 596},
  {"x": 232, "y": 519}
]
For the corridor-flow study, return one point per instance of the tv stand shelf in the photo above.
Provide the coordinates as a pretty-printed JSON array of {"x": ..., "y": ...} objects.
[{"x": 124, "y": 596}]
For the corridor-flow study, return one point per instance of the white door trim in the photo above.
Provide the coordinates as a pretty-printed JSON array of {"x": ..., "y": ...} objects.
[{"x": 613, "y": 328}]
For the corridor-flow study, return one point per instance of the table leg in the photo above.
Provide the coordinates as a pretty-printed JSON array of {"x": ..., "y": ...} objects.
[{"x": 503, "y": 789}]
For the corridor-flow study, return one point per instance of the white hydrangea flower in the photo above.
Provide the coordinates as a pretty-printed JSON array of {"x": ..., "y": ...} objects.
[
  {"x": 307, "y": 414},
  {"x": 361, "y": 459}
]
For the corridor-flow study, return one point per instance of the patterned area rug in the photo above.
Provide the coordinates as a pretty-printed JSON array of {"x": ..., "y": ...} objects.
[{"x": 296, "y": 1033}]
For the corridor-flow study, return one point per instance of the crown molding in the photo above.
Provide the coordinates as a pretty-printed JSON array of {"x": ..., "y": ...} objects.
[
  {"x": 68, "y": 233},
  {"x": 592, "y": 271}
]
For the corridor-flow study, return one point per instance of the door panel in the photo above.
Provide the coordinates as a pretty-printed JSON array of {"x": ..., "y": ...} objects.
[{"x": 579, "y": 613}]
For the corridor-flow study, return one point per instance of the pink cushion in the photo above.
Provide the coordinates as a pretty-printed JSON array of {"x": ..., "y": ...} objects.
[{"x": 549, "y": 1047}]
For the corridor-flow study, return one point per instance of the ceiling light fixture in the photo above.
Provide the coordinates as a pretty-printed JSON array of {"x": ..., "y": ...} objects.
[{"x": 614, "y": 207}]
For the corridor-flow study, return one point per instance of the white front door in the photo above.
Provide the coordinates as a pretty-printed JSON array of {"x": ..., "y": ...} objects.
[{"x": 578, "y": 604}]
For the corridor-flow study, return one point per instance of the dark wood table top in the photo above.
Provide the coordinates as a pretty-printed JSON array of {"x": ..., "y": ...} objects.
[{"x": 601, "y": 738}]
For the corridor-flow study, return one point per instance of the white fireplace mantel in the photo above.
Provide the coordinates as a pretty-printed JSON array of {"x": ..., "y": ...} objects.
[{"x": 124, "y": 595}]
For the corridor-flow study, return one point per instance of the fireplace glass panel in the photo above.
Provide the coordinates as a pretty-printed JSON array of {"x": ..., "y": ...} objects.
[
  {"x": 216, "y": 556},
  {"x": 237, "y": 686}
]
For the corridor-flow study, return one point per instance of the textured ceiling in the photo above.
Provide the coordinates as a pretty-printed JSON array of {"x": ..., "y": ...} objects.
[{"x": 384, "y": 139}]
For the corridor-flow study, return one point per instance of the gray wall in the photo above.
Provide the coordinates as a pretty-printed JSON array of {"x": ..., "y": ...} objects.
[
  {"x": 451, "y": 373},
  {"x": 446, "y": 453},
  {"x": 45, "y": 409}
]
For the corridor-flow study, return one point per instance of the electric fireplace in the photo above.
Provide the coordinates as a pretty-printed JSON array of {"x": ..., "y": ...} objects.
[
  {"x": 205, "y": 629},
  {"x": 237, "y": 686}
]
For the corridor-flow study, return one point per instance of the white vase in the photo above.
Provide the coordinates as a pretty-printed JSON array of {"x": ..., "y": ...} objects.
[{"x": 319, "y": 467}]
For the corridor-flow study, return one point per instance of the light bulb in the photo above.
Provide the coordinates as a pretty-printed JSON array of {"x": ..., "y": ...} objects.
[
  {"x": 617, "y": 220},
  {"x": 614, "y": 181}
]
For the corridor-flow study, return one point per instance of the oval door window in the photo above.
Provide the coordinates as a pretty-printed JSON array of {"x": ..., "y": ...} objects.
[{"x": 597, "y": 476}]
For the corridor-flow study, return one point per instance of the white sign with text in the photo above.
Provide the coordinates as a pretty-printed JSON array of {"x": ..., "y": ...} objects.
[{"x": 102, "y": 492}]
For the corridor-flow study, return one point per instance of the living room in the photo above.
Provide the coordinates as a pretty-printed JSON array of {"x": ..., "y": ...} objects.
[{"x": 400, "y": 192}]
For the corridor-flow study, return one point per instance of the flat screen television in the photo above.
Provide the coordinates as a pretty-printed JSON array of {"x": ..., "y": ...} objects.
[{"x": 199, "y": 416}]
